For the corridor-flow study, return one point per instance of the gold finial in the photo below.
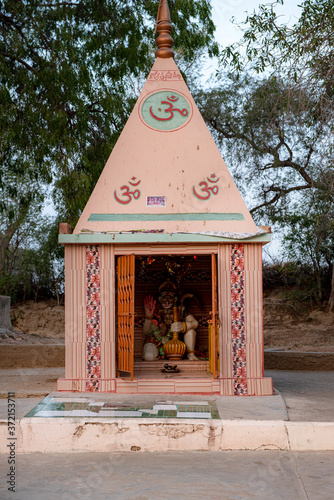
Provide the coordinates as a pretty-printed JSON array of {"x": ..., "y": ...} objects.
[{"x": 163, "y": 26}]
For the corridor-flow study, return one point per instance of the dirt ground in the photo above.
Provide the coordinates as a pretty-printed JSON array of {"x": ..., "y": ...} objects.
[
  {"x": 285, "y": 327},
  {"x": 37, "y": 323},
  {"x": 290, "y": 327}
]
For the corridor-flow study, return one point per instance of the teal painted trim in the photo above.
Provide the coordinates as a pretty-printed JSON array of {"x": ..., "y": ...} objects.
[
  {"x": 164, "y": 217},
  {"x": 89, "y": 239}
]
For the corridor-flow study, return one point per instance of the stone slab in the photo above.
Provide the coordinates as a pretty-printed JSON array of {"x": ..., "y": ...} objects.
[
  {"x": 5, "y": 321},
  {"x": 68, "y": 434},
  {"x": 109, "y": 434}
]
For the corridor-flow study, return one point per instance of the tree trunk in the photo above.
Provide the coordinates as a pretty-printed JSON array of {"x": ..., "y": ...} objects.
[
  {"x": 319, "y": 288},
  {"x": 5, "y": 241},
  {"x": 331, "y": 297}
]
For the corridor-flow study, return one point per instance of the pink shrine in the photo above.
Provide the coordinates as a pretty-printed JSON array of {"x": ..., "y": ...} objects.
[{"x": 165, "y": 194}]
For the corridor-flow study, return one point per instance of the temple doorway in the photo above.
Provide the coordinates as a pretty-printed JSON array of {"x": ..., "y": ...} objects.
[{"x": 195, "y": 278}]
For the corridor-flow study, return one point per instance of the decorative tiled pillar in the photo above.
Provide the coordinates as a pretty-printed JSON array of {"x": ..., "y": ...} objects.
[
  {"x": 241, "y": 316},
  {"x": 93, "y": 319},
  {"x": 238, "y": 326}
]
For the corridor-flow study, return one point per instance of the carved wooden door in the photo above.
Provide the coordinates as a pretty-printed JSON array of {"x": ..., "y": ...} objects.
[
  {"x": 125, "y": 315},
  {"x": 214, "y": 323}
]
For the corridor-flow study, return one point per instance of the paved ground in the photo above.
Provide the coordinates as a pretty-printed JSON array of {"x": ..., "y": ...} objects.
[
  {"x": 265, "y": 475},
  {"x": 309, "y": 396}
]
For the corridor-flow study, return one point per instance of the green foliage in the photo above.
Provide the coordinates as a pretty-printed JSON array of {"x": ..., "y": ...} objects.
[
  {"x": 303, "y": 52},
  {"x": 67, "y": 73},
  {"x": 66, "y": 68}
]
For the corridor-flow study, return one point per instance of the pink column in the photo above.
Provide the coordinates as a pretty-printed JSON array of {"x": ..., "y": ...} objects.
[
  {"x": 75, "y": 319},
  {"x": 89, "y": 319},
  {"x": 241, "y": 315},
  {"x": 108, "y": 351}
]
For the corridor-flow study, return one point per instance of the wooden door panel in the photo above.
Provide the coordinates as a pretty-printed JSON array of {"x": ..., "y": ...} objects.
[
  {"x": 214, "y": 326},
  {"x": 125, "y": 314}
]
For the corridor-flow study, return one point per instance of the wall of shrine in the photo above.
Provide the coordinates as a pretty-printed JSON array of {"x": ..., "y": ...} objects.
[{"x": 90, "y": 300}]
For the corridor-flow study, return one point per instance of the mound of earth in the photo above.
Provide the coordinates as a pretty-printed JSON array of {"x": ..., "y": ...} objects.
[
  {"x": 38, "y": 323},
  {"x": 284, "y": 326}
]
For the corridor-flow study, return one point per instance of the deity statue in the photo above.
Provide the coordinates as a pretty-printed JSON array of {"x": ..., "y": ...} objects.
[{"x": 159, "y": 324}]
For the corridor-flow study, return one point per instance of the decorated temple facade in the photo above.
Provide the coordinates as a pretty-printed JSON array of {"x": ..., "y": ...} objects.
[{"x": 164, "y": 207}]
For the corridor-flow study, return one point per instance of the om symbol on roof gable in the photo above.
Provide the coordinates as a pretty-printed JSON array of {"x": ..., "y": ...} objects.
[
  {"x": 166, "y": 110},
  {"x": 127, "y": 195},
  {"x": 204, "y": 190}
]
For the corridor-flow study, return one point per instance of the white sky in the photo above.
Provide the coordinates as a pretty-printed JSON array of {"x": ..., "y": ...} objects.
[
  {"x": 228, "y": 33},
  {"x": 224, "y": 10}
]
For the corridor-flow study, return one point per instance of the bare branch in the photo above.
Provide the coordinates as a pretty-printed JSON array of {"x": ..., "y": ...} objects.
[
  {"x": 24, "y": 63},
  {"x": 280, "y": 192}
]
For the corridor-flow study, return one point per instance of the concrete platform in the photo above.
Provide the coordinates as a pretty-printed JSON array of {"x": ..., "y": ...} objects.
[{"x": 298, "y": 417}]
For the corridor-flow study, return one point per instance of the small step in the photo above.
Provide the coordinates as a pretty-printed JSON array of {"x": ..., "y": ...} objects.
[{"x": 191, "y": 385}]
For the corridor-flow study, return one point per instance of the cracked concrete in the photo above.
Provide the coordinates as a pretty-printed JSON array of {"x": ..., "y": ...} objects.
[
  {"x": 102, "y": 428},
  {"x": 174, "y": 431}
]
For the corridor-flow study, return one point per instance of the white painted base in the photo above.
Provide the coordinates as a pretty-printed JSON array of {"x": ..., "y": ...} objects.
[{"x": 61, "y": 435}]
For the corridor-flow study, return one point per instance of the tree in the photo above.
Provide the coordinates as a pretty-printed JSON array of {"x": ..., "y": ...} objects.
[
  {"x": 30, "y": 258},
  {"x": 65, "y": 69},
  {"x": 276, "y": 149},
  {"x": 295, "y": 94},
  {"x": 273, "y": 113},
  {"x": 66, "y": 89},
  {"x": 309, "y": 240},
  {"x": 303, "y": 52},
  {"x": 20, "y": 204}
]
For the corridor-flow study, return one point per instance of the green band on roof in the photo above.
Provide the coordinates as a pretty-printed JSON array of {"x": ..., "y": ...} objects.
[{"x": 164, "y": 217}]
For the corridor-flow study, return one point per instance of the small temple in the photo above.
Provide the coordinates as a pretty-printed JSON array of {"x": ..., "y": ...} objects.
[{"x": 164, "y": 249}]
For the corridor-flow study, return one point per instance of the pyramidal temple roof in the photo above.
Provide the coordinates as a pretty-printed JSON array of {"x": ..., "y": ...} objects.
[{"x": 165, "y": 171}]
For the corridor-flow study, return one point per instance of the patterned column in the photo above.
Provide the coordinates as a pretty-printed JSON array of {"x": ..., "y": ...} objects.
[
  {"x": 93, "y": 314},
  {"x": 238, "y": 320}
]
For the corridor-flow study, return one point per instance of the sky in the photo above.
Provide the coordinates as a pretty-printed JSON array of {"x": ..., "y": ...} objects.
[
  {"x": 228, "y": 33},
  {"x": 224, "y": 10}
]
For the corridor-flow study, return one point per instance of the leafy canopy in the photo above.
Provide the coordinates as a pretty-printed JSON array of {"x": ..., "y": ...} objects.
[
  {"x": 302, "y": 51},
  {"x": 66, "y": 69},
  {"x": 69, "y": 71}
]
